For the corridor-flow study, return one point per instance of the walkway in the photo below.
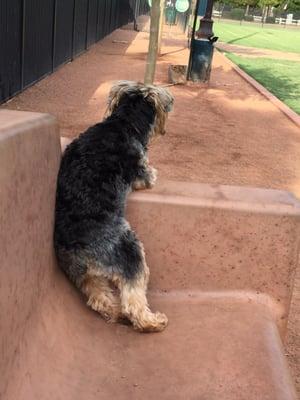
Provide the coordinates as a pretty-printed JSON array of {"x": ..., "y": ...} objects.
[{"x": 225, "y": 133}]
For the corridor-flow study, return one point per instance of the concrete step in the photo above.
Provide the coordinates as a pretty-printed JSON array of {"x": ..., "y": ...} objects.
[{"x": 222, "y": 263}]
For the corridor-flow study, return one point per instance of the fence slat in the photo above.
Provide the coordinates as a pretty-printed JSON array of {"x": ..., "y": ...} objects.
[
  {"x": 92, "y": 22},
  {"x": 10, "y": 48},
  {"x": 101, "y": 19},
  {"x": 80, "y": 26},
  {"x": 37, "y": 40},
  {"x": 63, "y": 35}
]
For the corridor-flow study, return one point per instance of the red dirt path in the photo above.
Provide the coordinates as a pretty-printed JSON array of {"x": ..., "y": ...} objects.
[{"x": 225, "y": 133}]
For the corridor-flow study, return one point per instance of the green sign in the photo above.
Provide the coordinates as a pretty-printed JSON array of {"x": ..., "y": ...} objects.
[{"x": 182, "y": 5}]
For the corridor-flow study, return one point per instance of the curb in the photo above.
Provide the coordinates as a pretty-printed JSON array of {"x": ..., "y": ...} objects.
[{"x": 292, "y": 115}]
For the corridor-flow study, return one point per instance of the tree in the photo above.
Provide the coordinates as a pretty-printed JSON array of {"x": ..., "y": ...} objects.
[
  {"x": 292, "y": 5},
  {"x": 154, "y": 45},
  {"x": 248, "y": 4},
  {"x": 242, "y": 3},
  {"x": 267, "y": 5}
]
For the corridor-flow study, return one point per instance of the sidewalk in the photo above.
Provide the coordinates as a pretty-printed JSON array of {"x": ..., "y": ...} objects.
[{"x": 226, "y": 133}]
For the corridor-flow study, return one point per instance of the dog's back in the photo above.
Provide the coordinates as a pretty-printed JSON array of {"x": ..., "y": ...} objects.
[
  {"x": 94, "y": 243},
  {"x": 95, "y": 176}
]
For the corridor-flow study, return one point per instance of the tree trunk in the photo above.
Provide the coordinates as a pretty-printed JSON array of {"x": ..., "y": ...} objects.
[
  {"x": 247, "y": 10},
  {"x": 161, "y": 25},
  {"x": 264, "y": 14},
  {"x": 153, "y": 42}
]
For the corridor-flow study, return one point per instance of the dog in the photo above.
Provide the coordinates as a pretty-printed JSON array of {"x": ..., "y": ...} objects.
[{"x": 94, "y": 244}]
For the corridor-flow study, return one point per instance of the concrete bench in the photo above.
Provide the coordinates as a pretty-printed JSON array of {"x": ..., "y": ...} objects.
[{"x": 222, "y": 263}]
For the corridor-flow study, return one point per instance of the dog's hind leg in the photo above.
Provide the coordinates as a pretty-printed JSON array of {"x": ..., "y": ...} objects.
[
  {"x": 135, "y": 305},
  {"x": 100, "y": 296}
]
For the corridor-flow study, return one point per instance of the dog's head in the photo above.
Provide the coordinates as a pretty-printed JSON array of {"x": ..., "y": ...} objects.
[{"x": 159, "y": 97}]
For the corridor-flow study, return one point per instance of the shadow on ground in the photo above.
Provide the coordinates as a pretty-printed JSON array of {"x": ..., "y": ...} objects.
[
  {"x": 242, "y": 37},
  {"x": 273, "y": 74}
]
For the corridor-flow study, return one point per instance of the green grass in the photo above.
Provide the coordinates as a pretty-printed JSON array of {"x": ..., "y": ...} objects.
[
  {"x": 280, "y": 77},
  {"x": 253, "y": 35}
]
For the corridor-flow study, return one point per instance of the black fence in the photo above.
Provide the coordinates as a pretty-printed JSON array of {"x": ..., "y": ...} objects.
[{"x": 37, "y": 36}]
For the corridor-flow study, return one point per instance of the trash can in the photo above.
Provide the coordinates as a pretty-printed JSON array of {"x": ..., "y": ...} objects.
[{"x": 200, "y": 59}]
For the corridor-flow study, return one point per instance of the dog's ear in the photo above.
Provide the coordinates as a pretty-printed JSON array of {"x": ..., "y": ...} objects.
[
  {"x": 160, "y": 113},
  {"x": 162, "y": 101},
  {"x": 113, "y": 98},
  {"x": 117, "y": 91},
  {"x": 159, "y": 97}
]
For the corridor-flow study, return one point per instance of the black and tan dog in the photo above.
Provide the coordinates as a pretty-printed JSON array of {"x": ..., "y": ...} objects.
[{"x": 94, "y": 243}]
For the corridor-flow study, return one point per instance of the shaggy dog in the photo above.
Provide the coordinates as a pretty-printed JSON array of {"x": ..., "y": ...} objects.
[{"x": 94, "y": 244}]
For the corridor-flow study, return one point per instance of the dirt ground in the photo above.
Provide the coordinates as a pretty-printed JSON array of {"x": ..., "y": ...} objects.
[{"x": 222, "y": 133}]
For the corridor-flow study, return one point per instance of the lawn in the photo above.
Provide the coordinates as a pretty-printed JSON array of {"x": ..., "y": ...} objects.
[
  {"x": 254, "y": 35},
  {"x": 281, "y": 77}
]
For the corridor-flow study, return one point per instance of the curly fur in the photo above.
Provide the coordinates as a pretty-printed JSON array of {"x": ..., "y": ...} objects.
[{"x": 98, "y": 170}]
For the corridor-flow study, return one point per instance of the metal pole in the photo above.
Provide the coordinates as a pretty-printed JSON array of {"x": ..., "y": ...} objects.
[
  {"x": 195, "y": 18},
  {"x": 202, "y": 47},
  {"x": 206, "y": 23},
  {"x": 193, "y": 33}
]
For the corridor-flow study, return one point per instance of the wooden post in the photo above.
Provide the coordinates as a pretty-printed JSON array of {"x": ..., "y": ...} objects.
[
  {"x": 161, "y": 25},
  {"x": 153, "y": 42}
]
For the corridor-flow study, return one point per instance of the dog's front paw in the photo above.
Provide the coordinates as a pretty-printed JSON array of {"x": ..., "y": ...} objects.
[
  {"x": 152, "y": 177},
  {"x": 161, "y": 321},
  {"x": 139, "y": 184},
  {"x": 148, "y": 180},
  {"x": 151, "y": 322}
]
